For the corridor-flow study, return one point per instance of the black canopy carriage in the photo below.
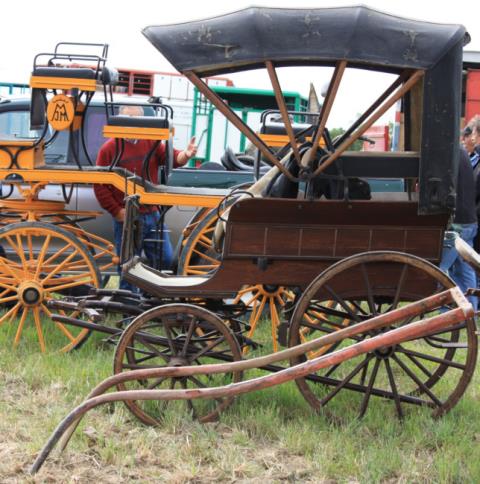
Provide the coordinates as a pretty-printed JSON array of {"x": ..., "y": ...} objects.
[
  {"x": 425, "y": 55},
  {"x": 355, "y": 265}
]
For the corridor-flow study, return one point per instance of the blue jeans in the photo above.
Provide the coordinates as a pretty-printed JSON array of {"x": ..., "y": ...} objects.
[
  {"x": 150, "y": 249},
  {"x": 461, "y": 272}
]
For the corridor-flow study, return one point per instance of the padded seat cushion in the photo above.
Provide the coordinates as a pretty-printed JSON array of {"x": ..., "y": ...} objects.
[
  {"x": 70, "y": 72},
  {"x": 138, "y": 121},
  {"x": 152, "y": 276},
  {"x": 109, "y": 75},
  {"x": 279, "y": 128}
]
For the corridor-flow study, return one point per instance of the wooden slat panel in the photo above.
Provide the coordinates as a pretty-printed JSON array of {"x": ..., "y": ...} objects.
[
  {"x": 329, "y": 242},
  {"x": 281, "y": 241},
  {"x": 318, "y": 242},
  {"x": 425, "y": 243},
  {"x": 352, "y": 241},
  {"x": 246, "y": 239}
]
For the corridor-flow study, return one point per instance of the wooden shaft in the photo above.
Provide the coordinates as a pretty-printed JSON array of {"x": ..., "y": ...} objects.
[
  {"x": 383, "y": 320},
  {"x": 387, "y": 319},
  {"x": 327, "y": 107},
  {"x": 236, "y": 121},
  {"x": 395, "y": 336},
  {"x": 283, "y": 109}
]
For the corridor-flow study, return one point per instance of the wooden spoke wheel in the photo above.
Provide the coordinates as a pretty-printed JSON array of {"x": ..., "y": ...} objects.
[
  {"x": 53, "y": 212},
  {"x": 199, "y": 257},
  {"x": 38, "y": 262},
  {"x": 176, "y": 335},
  {"x": 432, "y": 371}
]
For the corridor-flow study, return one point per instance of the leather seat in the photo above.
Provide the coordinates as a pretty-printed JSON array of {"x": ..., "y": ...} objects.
[
  {"x": 232, "y": 162},
  {"x": 70, "y": 72},
  {"x": 138, "y": 121},
  {"x": 279, "y": 128}
]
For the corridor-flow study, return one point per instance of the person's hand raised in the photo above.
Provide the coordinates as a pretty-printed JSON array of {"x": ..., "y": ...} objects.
[{"x": 191, "y": 150}]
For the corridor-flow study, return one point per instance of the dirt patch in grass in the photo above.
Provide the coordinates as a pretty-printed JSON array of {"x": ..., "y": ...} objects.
[
  {"x": 111, "y": 447},
  {"x": 272, "y": 436}
]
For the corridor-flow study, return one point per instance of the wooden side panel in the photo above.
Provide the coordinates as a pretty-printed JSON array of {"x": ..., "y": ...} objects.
[
  {"x": 290, "y": 242},
  {"x": 329, "y": 242}
]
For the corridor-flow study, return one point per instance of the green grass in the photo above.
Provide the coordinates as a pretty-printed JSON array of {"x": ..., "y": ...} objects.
[{"x": 268, "y": 436}]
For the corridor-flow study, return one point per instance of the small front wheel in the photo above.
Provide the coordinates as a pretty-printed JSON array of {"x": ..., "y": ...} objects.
[{"x": 176, "y": 335}]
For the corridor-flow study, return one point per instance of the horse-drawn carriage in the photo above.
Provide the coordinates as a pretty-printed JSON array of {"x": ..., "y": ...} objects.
[{"x": 370, "y": 312}]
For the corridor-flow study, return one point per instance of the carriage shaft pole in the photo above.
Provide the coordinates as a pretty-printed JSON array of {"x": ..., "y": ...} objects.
[
  {"x": 399, "y": 335},
  {"x": 396, "y": 336},
  {"x": 397, "y": 315}
]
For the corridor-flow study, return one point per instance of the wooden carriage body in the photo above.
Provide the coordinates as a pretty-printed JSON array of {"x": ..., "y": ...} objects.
[{"x": 276, "y": 241}]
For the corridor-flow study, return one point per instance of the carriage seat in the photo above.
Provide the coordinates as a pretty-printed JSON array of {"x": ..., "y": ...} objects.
[
  {"x": 64, "y": 78},
  {"x": 274, "y": 134},
  {"x": 239, "y": 162},
  {"x": 83, "y": 78},
  {"x": 69, "y": 72},
  {"x": 160, "y": 284},
  {"x": 139, "y": 121},
  {"x": 138, "y": 127},
  {"x": 279, "y": 128},
  {"x": 138, "y": 269}
]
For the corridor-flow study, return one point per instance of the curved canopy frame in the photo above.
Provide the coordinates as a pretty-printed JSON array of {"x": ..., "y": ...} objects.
[
  {"x": 246, "y": 39},
  {"x": 426, "y": 57}
]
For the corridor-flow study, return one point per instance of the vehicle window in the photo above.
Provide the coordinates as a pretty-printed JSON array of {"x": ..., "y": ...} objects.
[
  {"x": 56, "y": 151},
  {"x": 94, "y": 123},
  {"x": 16, "y": 124}
]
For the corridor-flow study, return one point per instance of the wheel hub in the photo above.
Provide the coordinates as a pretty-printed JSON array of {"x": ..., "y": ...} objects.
[
  {"x": 270, "y": 288},
  {"x": 30, "y": 293},
  {"x": 385, "y": 352},
  {"x": 178, "y": 361}
]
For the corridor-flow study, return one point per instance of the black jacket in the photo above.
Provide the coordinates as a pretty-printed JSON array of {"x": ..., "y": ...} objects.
[{"x": 467, "y": 192}]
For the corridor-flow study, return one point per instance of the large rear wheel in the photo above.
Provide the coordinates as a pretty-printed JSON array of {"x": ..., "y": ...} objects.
[{"x": 433, "y": 371}]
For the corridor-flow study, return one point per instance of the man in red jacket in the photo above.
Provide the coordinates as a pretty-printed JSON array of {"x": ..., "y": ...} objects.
[{"x": 112, "y": 199}]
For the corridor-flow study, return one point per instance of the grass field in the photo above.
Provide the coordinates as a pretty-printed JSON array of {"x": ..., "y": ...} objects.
[{"x": 269, "y": 436}]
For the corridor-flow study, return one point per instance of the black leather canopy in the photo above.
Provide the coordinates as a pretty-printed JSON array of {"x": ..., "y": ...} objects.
[{"x": 360, "y": 35}]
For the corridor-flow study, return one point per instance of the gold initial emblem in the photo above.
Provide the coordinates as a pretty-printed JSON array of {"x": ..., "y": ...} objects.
[{"x": 60, "y": 112}]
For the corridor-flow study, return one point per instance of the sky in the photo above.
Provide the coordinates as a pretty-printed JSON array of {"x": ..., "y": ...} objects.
[{"x": 25, "y": 33}]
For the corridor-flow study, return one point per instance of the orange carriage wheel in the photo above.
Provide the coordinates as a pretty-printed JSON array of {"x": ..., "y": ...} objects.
[
  {"x": 198, "y": 257},
  {"x": 54, "y": 212},
  {"x": 38, "y": 262}
]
